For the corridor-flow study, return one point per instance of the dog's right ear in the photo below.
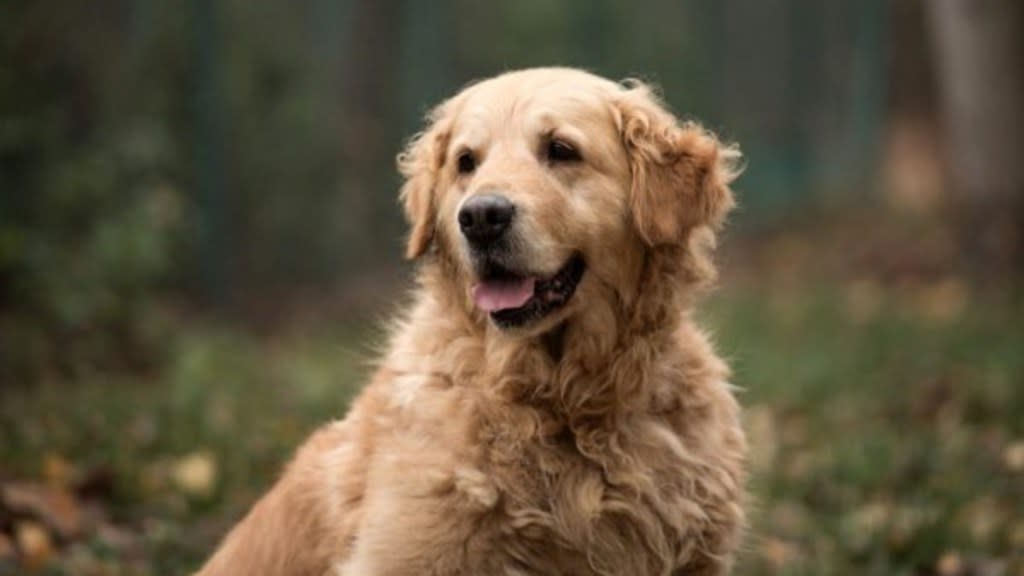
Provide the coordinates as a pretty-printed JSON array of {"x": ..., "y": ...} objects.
[{"x": 421, "y": 164}]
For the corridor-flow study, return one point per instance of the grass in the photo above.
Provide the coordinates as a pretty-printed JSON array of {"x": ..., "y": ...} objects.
[
  {"x": 884, "y": 435},
  {"x": 887, "y": 431},
  {"x": 236, "y": 404}
]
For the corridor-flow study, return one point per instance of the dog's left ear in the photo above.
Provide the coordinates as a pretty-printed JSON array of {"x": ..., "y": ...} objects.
[
  {"x": 421, "y": 162},
  {"x": 681, "y": 172}
]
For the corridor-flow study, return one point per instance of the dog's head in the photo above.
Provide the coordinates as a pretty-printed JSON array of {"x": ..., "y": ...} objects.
[{"x": 538, "y": 183}]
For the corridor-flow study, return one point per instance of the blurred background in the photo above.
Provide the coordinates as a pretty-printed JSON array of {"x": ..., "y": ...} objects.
[{"x": 199, "y": 236}]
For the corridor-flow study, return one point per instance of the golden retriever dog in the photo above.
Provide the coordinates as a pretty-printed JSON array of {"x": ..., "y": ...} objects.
[{"x": 546, "y": 404}]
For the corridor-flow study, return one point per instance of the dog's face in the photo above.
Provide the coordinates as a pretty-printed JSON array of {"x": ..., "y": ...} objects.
[{"x": 538, "y": 183}]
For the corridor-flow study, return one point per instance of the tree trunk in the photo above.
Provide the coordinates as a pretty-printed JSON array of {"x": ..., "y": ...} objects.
[
  {"x": 368, "y": 100},
  {"x": 978, "y": 48}
]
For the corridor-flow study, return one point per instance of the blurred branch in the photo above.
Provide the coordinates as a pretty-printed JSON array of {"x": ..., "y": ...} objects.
[
  {"x": 209, "y": 152},
  {"x": 368, "y": 100}
]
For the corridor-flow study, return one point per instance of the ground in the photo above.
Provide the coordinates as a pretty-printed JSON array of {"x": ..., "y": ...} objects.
[{"x": 886, "y": 418}]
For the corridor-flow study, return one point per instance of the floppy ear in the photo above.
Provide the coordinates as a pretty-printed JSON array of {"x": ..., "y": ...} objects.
[
  {"x": 421, "y": 163},
  {"x": 681, "y": 172}
]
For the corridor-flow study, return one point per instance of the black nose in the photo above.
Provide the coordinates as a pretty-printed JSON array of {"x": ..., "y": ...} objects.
[{"x": 485, "y": 217}]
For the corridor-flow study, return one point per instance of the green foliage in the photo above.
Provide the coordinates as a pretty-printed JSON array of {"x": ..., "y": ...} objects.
[
  {"x": 237, "y": 404},
  {"x": 884, "y": 426},
  {"x": 90, "y": 214},
  {"x": 82, "y": 263}
]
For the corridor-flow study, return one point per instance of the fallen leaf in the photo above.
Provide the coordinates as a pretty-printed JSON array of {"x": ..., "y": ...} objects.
[
  {"x": 54, "y": 507},
  {"x": 864, "y": 525},
  {"x": 34, "y": 543},
  {"x": 1013, "y": 456},
  {"x": 195, "y": 474},
  {"x": 950, "y": 564},
  {"x": 984, "y": 518},
  {"x": 779, "y": 553},
  {"x": 954, "y": 564},
  {"x": 58, "y": 471}
]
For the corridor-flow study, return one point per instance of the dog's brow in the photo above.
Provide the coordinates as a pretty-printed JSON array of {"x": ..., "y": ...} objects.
[
  {"x": 471, "y": 135},
  {"x": 551, "y": 124},
  {"x": 570, "y": 133}
]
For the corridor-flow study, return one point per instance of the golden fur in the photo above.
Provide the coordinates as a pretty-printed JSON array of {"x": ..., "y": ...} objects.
[{"x": 602, "y": 439}]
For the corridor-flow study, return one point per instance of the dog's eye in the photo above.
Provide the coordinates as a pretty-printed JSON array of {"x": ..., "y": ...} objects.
[
  {"x": 466, "y": 163},
  {"x": 559, "y": 151}
]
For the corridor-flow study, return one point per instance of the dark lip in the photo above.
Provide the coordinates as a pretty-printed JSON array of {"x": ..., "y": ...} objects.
[{"x": 548, "y": 295}]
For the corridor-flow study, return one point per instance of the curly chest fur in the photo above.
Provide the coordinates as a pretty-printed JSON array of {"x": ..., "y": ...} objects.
[{"x": 641, "y": 501}]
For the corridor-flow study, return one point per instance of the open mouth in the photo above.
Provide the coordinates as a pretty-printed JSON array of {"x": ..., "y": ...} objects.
[{"x": 514, "y": 299}]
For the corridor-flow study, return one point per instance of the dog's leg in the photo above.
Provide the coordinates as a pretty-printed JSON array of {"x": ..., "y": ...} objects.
[{"x": 302, "y": 526}]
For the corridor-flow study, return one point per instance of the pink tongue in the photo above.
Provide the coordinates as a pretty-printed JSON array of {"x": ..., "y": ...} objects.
[{"x": 494, "y": 296}]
